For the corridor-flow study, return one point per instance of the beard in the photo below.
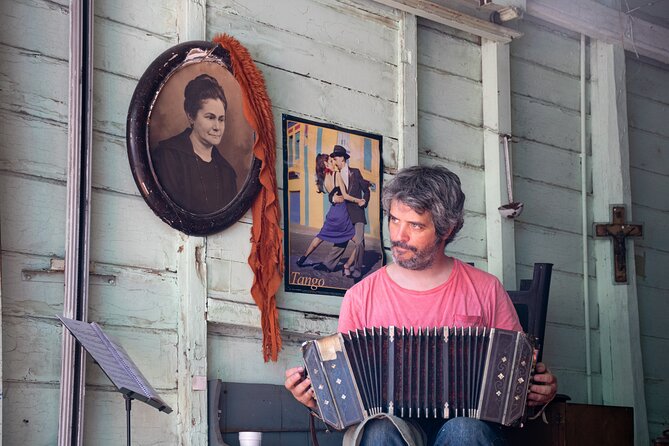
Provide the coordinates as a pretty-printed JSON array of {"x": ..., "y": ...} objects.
[{"x": 422, "y": 259}]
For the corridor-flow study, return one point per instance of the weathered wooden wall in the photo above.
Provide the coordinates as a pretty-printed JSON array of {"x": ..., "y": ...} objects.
[
  {"x": 545, "y": 102},
  {"x": 336, "y": 61},
  {"x": 648, "y": 114},
  {"x": 127, "y": 241},
  {"x": 329, "y": 61}
]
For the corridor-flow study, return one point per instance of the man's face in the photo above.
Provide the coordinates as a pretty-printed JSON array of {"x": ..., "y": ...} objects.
[
  {"x": 340, "y": 161},
  {"x": 413, "y": 237}
]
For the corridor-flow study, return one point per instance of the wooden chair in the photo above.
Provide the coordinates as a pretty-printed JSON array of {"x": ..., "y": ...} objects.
[{"x": 268, "y": 408}]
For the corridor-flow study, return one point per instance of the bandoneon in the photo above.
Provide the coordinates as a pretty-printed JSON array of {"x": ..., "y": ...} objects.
[{"x": 426, "y": 373}]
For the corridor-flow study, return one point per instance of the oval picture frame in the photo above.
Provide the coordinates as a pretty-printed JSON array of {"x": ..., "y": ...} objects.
[{"x": 178, "y": 188}]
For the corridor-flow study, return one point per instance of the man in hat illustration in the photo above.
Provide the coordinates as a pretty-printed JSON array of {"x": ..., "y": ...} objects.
[{"x": 357, "y": 187}]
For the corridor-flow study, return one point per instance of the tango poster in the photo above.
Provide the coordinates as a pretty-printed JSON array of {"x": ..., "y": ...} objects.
[{"x": 332, "y": 181}]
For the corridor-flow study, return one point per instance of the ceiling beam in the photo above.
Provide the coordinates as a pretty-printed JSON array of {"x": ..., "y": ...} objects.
[
  {"x": 607, "y": 24},
  {"x": 455, "y": 19}
]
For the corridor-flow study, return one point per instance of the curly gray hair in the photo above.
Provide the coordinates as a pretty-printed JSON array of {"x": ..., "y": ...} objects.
[{"x": 429, "y": 188}]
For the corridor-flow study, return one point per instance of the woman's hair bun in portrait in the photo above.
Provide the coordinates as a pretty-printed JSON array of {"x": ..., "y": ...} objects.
[{"x": 199, "y": 89}]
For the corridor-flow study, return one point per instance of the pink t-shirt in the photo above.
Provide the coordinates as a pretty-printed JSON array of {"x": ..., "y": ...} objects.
[{"x": 470, "y": 297}]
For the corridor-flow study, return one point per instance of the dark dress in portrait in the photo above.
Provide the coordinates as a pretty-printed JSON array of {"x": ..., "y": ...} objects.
[
  {"x": 196, "y": 185},
  {"x": 337, "y": 227}
]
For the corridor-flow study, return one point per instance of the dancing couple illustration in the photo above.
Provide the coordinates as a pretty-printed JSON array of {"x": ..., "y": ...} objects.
[{"x": 345, "y": 221}]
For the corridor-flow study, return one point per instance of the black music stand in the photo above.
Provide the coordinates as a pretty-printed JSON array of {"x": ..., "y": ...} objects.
[{"x": 116, "y": 364}]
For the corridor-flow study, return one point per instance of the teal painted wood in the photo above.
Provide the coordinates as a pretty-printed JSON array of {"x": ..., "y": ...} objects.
[
  {"x": 438, "y": 92},
  {"x": 443, "y": 51},
  {"x": 548, "y": 46},
  {"x": 441, "y": 137},
  {"x": 318, "y": 60},
  {"x": 336, "y": 23},
  {"x": 105, "y": 423},
  {"x": 648, "y": 153},
  {"x": 530, "y": 79},
  {"x": 649, "y": 159}
]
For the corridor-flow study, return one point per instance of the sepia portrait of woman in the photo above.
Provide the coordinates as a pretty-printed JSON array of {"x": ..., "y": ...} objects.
[{"x": 189, "y": 165}]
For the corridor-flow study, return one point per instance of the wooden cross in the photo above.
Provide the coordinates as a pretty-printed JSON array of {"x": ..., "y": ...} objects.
[{"x": 618, "y": 230}]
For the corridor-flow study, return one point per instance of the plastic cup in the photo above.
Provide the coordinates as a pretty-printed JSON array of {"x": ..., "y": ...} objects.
[{"x": 250, "y": 438}]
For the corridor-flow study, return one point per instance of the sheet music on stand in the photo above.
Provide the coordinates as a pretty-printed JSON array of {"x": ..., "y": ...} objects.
[{"x": 115, "y": 363}]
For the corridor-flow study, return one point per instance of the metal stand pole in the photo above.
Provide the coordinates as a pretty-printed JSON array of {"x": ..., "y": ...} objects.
[{"x": 127, "y": 415}]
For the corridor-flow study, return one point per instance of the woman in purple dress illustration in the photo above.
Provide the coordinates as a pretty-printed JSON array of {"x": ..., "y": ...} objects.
[{"x": 337, "y": 227}]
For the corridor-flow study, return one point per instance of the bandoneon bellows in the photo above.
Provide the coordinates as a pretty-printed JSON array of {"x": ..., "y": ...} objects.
[{"x": 426, "y": 373}]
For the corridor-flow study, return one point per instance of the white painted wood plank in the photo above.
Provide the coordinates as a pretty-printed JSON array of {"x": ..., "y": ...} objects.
[
  {"x": 23, "y": 220},
  {"x": 536, "y": 244},
  {"x": 653, "y": 307},
  {"x": 658, "y": 406},
  {"x": 350, "y": 109},
  {"x": 648, "y": 151},
  {"x": 143, "y": 240},
  {"x": 471, "y": 179},
  {"x": 326, "y": 305},
  {"x": 275, "y": 47},
  {"x": 444, "y": 52},
  {"x": 649, "y": 115},
  {"x": 105, "y": 423},
  {"x": 233, "y": 244},
  {"x": 191, "y": 20},
  {"x": 326, "y": 22},
  {"x": 407, "y": 84},
  {"x": 646, "y": 79},
  {"x": 31, "y": 349},
  {"x": 221, "y": 311},
  {"x": 548, "y": 46},
  {"x": 538, "y": 121},
  {"x": 37, "y": 25},
  {"x": 539, "y": 162},
  {"x": 656, "y": 228},
  {"x": 646, "y": 184},
  {"x": 139, "y": 297},
  {"x": 438, "y": 93},
  {"x": 549, "y": 206},
  {"x": 28, "y": 93},
  {"x": 224, "y": 354},
  {"x": 531, "y": 79},
  {"x": 622, "y": 368},
  {"x": 154, "y": 17},
  {"x": 496, "y": 84},
  {"x": 448, "y": 139},
  {"x": 192, "y": 361},
  {"x": 111, "y": 168},
  {"x": 33, "y": 418},
  {"x": 34, "y": 139},
  {"x": 655, "y": 267},
  {"x": 33, "y": 355},
  {"x": 125, "y": 50},
  {"x": 564, "y": 347}
]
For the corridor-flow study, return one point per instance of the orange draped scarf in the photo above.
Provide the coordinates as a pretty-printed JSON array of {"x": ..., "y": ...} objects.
[{"x": 266, "y": 259}]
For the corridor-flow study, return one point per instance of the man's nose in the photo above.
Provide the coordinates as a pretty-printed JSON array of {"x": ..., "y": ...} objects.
[{"x": 402, "y": 233}]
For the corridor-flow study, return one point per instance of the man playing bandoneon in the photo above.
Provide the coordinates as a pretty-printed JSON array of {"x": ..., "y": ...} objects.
[{"x": 426, "y": 288}]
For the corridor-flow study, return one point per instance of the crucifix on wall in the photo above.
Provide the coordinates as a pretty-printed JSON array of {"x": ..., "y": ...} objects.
[{"x": 618, "y": 230}]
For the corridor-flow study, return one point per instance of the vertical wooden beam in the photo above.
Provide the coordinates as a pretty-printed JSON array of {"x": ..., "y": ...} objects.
[
  {"x": 192, "y": 423},
  {"x": 408, "y": 91},
  {"x": 191, "y": 20},
  {"x": 497, "y": 121},
  {"x": 192, "y": 342},
  {"x": 620, "y": 343},
  {"x": 77, "y": 236}
]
